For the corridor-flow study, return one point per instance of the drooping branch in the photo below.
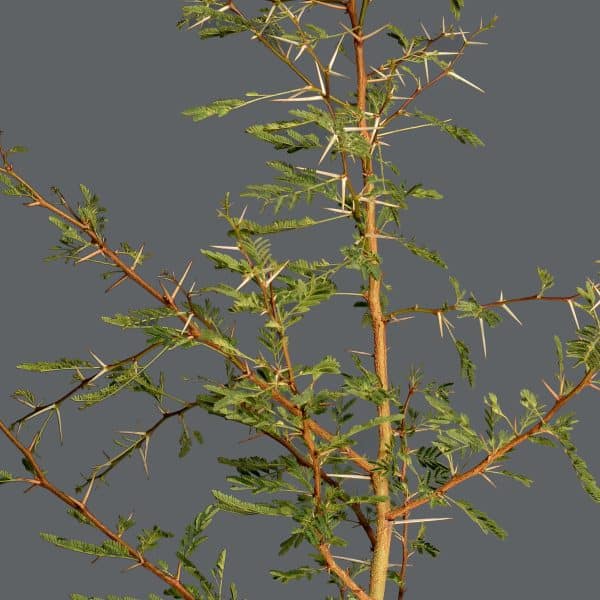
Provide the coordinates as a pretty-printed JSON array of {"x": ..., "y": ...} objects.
[
  {"x": 82, "y": 509},
  {"x": 38, "y": 410}
]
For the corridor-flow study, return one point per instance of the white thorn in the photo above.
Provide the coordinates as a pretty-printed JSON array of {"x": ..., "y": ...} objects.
[
  {"x": 425, "y": 31},
  {"x": 181, "y": 280},
  {"x": 321, "y": 82},
  {"x": 102, "y": 364},
  {"x": 89, "y": 256},
  {"x": 276, "y": 273},
  {"x": 344, "y": 182},
  {"x": 348, "y": 476},
  {"x": 336, "y": 74},
  {"x": 488, "y": 479},
  {"x": 304, "y": 99},
  {"x": 482, "y": 330},
  {"x": 458, "y": 77},
  {"x": 328, "y": 148},
  {"x": 116, "y": 283},
  {"x": 325, "y": 173},
  {"x": 449, "y": 327},
  {"x": 572, "y": 307},
  {"x": 137, "y": 258},
  {"x": 225, "y": 247},
  {"x": 338, "y": 210},
  {"x": 354, "y": 560},
  {"x": 427, "y": 520},
  {"x": 198, "y": 23},
  {"x": 440, "y": 323},
  {"x": 187, "y": 322},
  {"x": 375, "y": 128},
  {"x": 285, "y": 40},
  {"x": 301, "y": 52},
  {"x": 398, "y": 319},
  {"x": 400, "y": 77},
  {"x": 508, "y": 310},
  {"x": 335, "y": 53},
  {"x": 356, "y": 37},
  {"x": 269, "y": 15},
  {"x": 244, "y": 282},
  {"x": 89, "y": 490},
  {"x": 552, "y": 392},
  {"x": 369, "y": 35}
]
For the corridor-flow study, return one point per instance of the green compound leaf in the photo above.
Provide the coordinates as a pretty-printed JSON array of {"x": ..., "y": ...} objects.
[
  {"x": 587, "y": 480},
  {"x": 5, "y": 477},
  {"x": 483, "y": 521},
  {"x": 586, "y": 348},
  {"x": 303, "y": 572},
  {"x": 193, "y": 535},
  {"x": 546, "y": 280},
  {"x": 423, "y": 252},
  {"x": 461, "y": 134},
  {"x": 456, "y": 7},
  {"x": 242, "y": 507},
  {"x": 108, "y": 549},
  {"x": 467, "y": 367},
  {"x": 62, "y": 364},
  {"x": 218, "y": 108}
]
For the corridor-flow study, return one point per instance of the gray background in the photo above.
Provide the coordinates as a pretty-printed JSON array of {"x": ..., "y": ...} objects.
[{"x": 96, "y": 90}]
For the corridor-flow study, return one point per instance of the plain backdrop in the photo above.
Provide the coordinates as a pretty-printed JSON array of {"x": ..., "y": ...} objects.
[{"x": 96, "y": 90}]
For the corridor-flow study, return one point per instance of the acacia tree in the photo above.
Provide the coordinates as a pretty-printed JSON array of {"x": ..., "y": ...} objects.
[{"x": 416, "y": 448}]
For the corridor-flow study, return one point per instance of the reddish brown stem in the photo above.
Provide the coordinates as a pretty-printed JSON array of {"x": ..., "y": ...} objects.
[
  {"x": 91, "y": 518},
  {"x": 493, "y": 457}
]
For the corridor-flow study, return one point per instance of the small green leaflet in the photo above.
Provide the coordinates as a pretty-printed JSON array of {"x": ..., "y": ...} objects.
[
  {"x": 235, "y": 505},
  {"x": 68, "y": 233},
  {"x": 526, "y": 481},
  {"x": 303, "y": 572},
  {"x": 62, "y": 364},
  {"x": 108, "y": 549},
  {"x": 328, "y": 365},
  {"x": 398, "y": 35},
  {"x": 467, "y": 367},
  {"x": 185, "y": 440},
  {"x": 5, "y": 477},
  {"x": 91, "y": 212},
  {"x": 278, "y": 226},
  {"x": 193, "y": 537},
  {"x": 149, "y": 538},
  {"x": 546, "y": 280},
  {"x": 12, "y": 188},
  {"x": 422, "y": 252},
  {"x": 588, "y": 482},
  {"x": 291, "y": 141},
  {"x": 418, "y": 191},
  {"x": 142, "y": 317},
  {"x": 485, "y": 523},
  {"x": 218, "y": 108},
  {"x": 586, "y": 348},
  {"x": 461, "y": 134},
  {"x": 456, "y": 6}
]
